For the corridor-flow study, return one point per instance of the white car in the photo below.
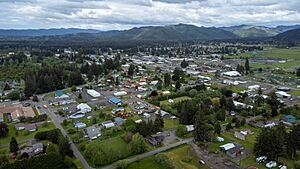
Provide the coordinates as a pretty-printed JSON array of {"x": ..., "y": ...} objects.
[
  {"x": 261, "y": 159},
  {"x": 282, "y": 167},
  {"x": 271, "y": 164}
]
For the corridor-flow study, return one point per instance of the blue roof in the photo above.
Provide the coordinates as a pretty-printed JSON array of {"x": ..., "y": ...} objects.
[
  {"x": 115, "y": 100},
  {"x": 59, "y": 93},
  {"x": 290, "y": 118},
  {"x": 119, "y": 120}
]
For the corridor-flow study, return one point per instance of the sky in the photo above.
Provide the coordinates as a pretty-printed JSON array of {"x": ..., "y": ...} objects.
[{"x": 125, "y": 14}]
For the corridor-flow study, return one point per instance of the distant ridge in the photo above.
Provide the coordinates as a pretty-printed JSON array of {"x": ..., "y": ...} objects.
[
  {"x": 288, "y": 36},
  {"x": 43, "y": 32}
]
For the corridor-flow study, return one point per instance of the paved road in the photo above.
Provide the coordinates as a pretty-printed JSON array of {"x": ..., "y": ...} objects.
[
  {"x": 150, "y": 153},
  {"x": 57, "y": 122}
]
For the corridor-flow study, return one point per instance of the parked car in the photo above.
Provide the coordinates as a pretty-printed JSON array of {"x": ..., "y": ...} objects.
[
  {"x": 282, "y": 166},
  {"x": 201, "y": 162},
  {"x": 261, "y": 159},
  {"x": 271, "y": 164}
]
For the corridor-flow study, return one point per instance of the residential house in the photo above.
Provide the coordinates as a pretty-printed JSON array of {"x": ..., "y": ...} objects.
[
  {"x": 289, "y": 119},
  {"x": 108, "y": 124},
  {"x": 33, "y": 149},
  {"x": 93, "y": 132},
  {"x": 79, "y": 125},
  {"x": 119, "y": 121},
  {"x": 232, "y": 149},
  {"x": 155, "y": 140}
]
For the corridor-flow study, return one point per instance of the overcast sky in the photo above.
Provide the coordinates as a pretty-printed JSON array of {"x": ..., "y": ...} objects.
[{"x": 124, "y": 14}]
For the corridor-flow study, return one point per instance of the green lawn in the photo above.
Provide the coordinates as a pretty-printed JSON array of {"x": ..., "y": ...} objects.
[
  {"x": 23, "y": 135},
  {"x": 176, "y": 100},
  {"x": 171, "y": 123},
  {"x": 236, "y": 89},
  {"x": 295, "y": 92},
  {"x": 177, "y": 155},
  {"x": 146, "y": 163},
  {"x": 229, "y": 137}
]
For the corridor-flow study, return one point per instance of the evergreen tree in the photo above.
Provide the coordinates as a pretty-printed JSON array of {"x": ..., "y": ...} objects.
[
  {"x": 184, "y": 64},
  {"x": 13, "y": 145},
  {"x": 217, "y": 128},
  {"x": 177, "y": 85},
  {"x": 131, "y": 70},
  {"x": 247, "y": 66},
  {"x": 3, "y": 129},
  {"x": 298, "y": 71},
  {"x": 203, "y": 131},
  {"x": 167, "y": 80}
]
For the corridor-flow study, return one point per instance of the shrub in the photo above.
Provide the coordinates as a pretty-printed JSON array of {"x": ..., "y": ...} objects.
[
  {"x": 164, "y": 160},
  {"x": 122, "y": 164}
]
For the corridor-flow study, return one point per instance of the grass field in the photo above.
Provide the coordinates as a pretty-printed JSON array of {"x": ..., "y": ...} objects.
[
  {"x": 176, "y": 100},
  {"x": 292, "y": 54},
  {"x": 177, "y": 155},
  {"x": 295, "y": 92},
  {"x": 23, "y": 135},
  {"x": 171, "y": 123},
  {"x": 229, "y": 137}
]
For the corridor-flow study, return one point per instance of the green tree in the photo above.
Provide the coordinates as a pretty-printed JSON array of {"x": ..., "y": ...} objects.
[
  {"x": 51, "y": 148},
  {"x": 177, "y": 85},
  {"x": 298, "y": 71},
  {"x": 14, "y": 95},
  {"x": 247, "y": 66},
  {"x": 184, "y": 64},
  {"x": 293, "y": 141},
  {"x": 274, "y": 103},
  {"x": 181, "y": 131},
  {"x": 269, "y": 143},
  {"x": 131, "y": 70},
  {"x": 3, "y": 129},
  {"x": 167, "y": 80},
  {"x": 138, "y": 144},
  {"x": 203, "y": 131},
  {"x": 217, "y": 128},
  {"x": 13, "y": 145}
]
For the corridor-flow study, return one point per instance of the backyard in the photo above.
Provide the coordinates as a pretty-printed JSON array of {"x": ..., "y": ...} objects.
[{"x": 24, "y": 134}]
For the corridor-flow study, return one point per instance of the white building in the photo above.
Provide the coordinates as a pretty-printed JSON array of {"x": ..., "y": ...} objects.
[
  {"x": 283, "y": 94},
  {"x": 232, "y": 74},
  {"x": 121, "y": 93},
  {"x": 93, "y": 93},
  {"x": 190, "y": 128},
  {"x": 84, "y": 108}
]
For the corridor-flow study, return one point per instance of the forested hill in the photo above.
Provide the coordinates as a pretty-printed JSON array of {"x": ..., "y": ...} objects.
[
  {"x": 289, "y": 36},
  {"x": 42, "y": 32}
]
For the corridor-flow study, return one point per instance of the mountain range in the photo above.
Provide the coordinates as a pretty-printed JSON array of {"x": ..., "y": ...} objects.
[{"x": 159, "y": 33}]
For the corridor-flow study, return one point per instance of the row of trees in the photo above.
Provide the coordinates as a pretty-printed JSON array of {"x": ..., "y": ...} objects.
[
  {"x": 49, "y": 78},
  {"x": 275, "y": 142}
]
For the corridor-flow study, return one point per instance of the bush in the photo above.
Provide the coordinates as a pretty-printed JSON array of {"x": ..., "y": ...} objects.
[
  {"x": 187, "y": 159},
  {"x": 297, "y": 165},
  {"x": 181, "y": 131},
  {"x": 122, "y": 164},
  {"x": 71, "y": 131},
  {"x": 164, "y": 160}
]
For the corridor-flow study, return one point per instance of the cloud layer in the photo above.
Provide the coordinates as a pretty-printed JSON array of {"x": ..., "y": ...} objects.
[{"x": 124, "y": 14}]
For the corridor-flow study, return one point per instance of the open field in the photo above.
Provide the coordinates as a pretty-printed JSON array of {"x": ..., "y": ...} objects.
[
  {"x": 177, "y": 155},
  {"x": 292, "y": 54},
  {"x": 171, "y": 123},
  {"x": 176, "y": 100}
]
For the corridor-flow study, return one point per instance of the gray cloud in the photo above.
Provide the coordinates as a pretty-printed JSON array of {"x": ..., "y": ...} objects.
[{"x": 124, "y": 14}]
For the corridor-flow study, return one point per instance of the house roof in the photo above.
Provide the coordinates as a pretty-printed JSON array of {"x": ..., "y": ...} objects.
[
  {"x": 59, "y": 93},
  {"x": 93, "y": 131},
  {"x": 115, "y": 100}
]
